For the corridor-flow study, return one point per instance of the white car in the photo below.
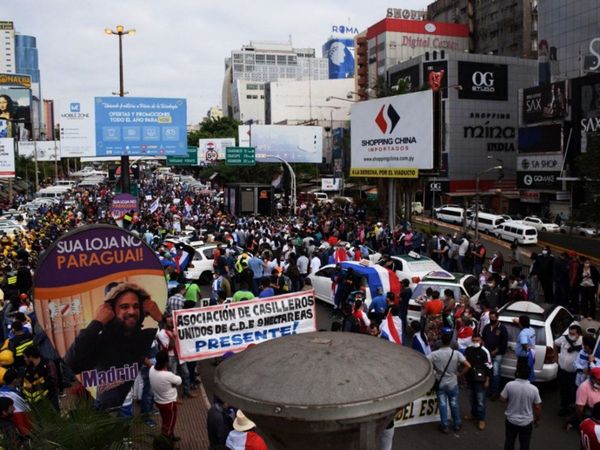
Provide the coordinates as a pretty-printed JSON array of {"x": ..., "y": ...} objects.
[
  {"x": 412, "y": 267},
  {"x": 201, "y": 266},
  {"x": 540, "y": 225},
  {"x": 549, "y": 322},
  {"x": 580, "y": 229}
]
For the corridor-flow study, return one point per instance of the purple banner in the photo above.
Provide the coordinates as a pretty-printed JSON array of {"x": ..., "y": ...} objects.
[{"x": 123, "y": 204}]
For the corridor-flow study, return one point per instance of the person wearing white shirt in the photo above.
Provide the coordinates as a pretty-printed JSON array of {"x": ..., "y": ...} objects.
[
  {"x": 315, "y": 263},
  {"x": 302, "y": 264},
  {"x": 164, "y": 386}
]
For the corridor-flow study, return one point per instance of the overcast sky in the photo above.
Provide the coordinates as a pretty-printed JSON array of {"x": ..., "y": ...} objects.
[{"x": 180, "y": 45}]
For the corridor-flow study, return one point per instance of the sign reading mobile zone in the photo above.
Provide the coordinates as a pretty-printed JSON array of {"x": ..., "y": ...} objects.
[
  {"x": 203, "y": 333},
  {"x": 392, "y": 137}
]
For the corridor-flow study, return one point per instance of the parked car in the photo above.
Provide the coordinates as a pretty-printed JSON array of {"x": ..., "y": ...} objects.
[
  {"x": 549, "y": 322},
  {"x": 516, "y": 232},
  {"x": 440, "y": 280},
  {"x": 201, "y": 266},
  {"x": 412, "y": 267},
  {"x": 580, "y": 229},
  {"x": 452, "y": 214},
  {"x": 540, "y": 225}
]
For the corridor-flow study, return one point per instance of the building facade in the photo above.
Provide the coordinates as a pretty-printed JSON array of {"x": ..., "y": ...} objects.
[
  {"x": 26, "y": 57},
  {"x": 7, "y": 47},
  {"x": 260, "y": 62},
  {"x": 499, "y": 27},
  {"x": 480, "y": 117},
  {"x": 392, "y": 41}
]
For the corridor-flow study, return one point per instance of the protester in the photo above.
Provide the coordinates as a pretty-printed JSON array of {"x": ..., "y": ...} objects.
[
  {"x": 495, "y": 339},
  {"x": 478, "y": 378},
  {"x": 40, "y": 380},
  {"x": 590, "y": 430},
  {"x": 164, "y": 386},
  {"x": 567, "y": 347},
  {"x": 243, "y": 436},
  {"x": 219, "y": 424}
]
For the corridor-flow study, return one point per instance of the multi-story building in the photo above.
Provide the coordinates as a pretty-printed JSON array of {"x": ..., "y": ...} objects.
[
  {"x": 480, "y": 119},
  {"x": 7, "y": 47},
  {"x": 392, "y": 41},
  {"x": 26, "y": 57},
  {"x": 254, "y": 65},
  {"x": 499, "y": 27}
]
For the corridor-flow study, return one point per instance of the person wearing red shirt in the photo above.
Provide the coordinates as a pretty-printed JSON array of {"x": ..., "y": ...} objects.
[{"x": 589, "y": 430}]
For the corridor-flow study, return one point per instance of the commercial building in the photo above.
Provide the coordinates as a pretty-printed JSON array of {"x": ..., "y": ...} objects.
[
  {"x": 247, "y": 70},
  {"x": 498, "y": 27},
  {"x": 480, "y": 118},
  {"x": 26, "y": 57},
  {"x": 392, "y": 41},
  {"x": 7, "y": 47}
]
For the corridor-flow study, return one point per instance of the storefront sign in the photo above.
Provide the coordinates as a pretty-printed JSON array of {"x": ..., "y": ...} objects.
[
  {"x": 406, "y": 14},
  {"x": 203, "y": 333},
  {"x": 545, "y": 102},
  {"x": 482, "y": 81},
  {"x": 539, "y": 163},
  {"x": 538, "y": 180},
  {"x": 495, "y": 129},
  {"x": 530, "y": 197}
]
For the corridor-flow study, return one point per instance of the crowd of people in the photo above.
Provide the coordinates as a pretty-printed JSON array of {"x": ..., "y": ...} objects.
[{"x": 266, "y": 256}]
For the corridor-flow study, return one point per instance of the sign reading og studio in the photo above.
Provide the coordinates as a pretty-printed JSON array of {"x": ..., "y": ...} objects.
[
  {"x": 482, "y": 81},
  {"x": 499, "y": 135}
]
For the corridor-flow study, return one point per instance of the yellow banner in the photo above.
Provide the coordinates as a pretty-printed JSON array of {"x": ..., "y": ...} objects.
[
  {"x": 384, "y": 173},
  {"x": 15, "y": 80}
]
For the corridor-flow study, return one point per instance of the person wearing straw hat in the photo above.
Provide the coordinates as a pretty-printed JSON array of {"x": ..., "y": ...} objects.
[{"x": 243, "y": 436}]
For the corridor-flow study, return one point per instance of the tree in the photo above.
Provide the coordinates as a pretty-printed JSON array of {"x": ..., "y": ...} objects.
[{"x": 222, "y": 127}]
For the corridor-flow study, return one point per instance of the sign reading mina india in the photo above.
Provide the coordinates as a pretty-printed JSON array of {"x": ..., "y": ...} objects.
[{"x": 72, "y": 281}]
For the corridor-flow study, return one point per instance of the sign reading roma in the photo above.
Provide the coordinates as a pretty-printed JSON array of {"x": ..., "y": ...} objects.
[{"x": 98, "y": 293}]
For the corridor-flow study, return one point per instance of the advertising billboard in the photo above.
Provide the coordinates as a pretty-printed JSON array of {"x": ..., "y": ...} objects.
[
  {"x": 99, "y": 292},
  {"x": 545, "y": 102},
  {"x": 15, "y": 111},
  {"x": 46, "y": 150},
  {"x": 212, "y": 150},
  {"x": 294, "y": 144},
  {"x": 140, "y": 126},
  {"x": 339, "y": 52},
  {"x": 540, "y": 163},
  {"x": 483, "y": 81},
  {"x": 410, "y": 76},
  {"x": 541, "y": 139},
  {"x": 331, "y": 184},
  {"x": 76, "y": 120},
  {"x": 123, "y": 204},
  {"x": 539, "y": 180},
  {"x": 392, "y": 136},
  {"x": 436, "y": 66},
  {"x": 7, "y": 157},
  {"x": 585, "y": 108}
]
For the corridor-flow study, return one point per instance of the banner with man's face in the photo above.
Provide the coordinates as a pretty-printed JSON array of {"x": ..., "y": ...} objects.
[{"x": 98, "y": 293}]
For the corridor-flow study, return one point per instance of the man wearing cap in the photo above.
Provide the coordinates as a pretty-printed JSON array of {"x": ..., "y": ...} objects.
[
  {"x": 115, "y": 339},
  {"x": 243, "y": 436},
  {"x": 588, "y": 394}
]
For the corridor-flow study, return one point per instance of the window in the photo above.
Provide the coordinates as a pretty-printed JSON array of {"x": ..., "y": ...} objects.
[
  {"x": 260, "y": 59},
  {"x": 249, "y": 59},
  {"x": 471, "y": 286},
  {"x": 238, "y": 67},
  {"x": 238, "y": 57},
  {"x": 281, "y": 59},
  {"x": 252, "y": 87},
  {"x": 208, "y": 252},
  {"x": 560, "y": 323},
  {"x": 531, "y": 232},
  {"x": 291, "y": 60},
  {"x": 328, "y": 272},
  {"x": 270, "y": 59}
]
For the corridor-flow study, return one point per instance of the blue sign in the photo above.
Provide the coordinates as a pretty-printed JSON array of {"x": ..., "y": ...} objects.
[
  {"x": 140, "y": 126},
  {"x": 340, "y": 54}
]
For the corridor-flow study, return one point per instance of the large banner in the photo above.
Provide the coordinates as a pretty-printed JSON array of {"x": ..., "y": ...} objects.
[
  {"x": 76, "y": 119},
  {"x": 422, "y": 410},
  {"x": 392, "y": 136},
  {"x": 140, "y": 126},
  {"x": 15, "y": 107},
  {"x": 98, "y": 293},
  {"x": 123, "y": 204},
  {"x": 545, "y": 102},
  {"x": 7, "y": 158},
  {"x": 213, "y": 150},
  {"x": 211, "y": 332},
  {"x": 292, "y": 143},
  {"x": 46, "y": 150}
]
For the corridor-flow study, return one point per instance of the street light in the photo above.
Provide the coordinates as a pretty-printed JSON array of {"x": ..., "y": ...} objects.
[
  {"x": 333, "y": 97},
  {"x": 491, "y": 169},
  {"x": 120, "y": 32}
]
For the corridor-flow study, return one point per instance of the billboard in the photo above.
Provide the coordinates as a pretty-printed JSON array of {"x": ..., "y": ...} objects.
[
  {"x": 483, "y": 81},
  {"x": 140, "y": 126},
  {"x": 539, "y": 180},
  {"x": 392, "y": 136},
  {"x": 541, "y": 163},
  {"x": 339, "y": 52},
  {"x": 212, "y": 150},
  {"x": 294, "y": 144},
  {"x": 331, "y": 184},
  {"x": 75, "y": 118},
  {"x": 123, "y": 204},
  {"x": 541, "y": 139},
  {"x": 410, "y": 76},
  {"x": 546, "y": 102},
  {"x": 436, "y": 66},
  {"x": 98, "y": 294},
  {"x": 212, "y": 331},
  {"x": 7, "y": 157},
  {"x": 15, "y": 111},
  {"x": 46, "y": 150}
]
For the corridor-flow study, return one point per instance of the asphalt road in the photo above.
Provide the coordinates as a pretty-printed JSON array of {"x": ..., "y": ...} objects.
[{"x": 549, "y": 435}]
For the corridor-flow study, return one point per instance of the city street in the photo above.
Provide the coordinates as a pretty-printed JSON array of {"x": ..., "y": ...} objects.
[{"x": 549, "y": 435}]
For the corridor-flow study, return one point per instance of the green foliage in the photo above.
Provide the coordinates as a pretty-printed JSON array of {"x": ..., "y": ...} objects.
[
  {"x": 83, "y": 427},
  {"x": 588, "y": 166},
  {"x": 214, "y": 128}
]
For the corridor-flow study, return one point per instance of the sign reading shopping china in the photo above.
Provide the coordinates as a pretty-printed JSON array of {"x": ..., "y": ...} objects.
[
  {"x": 211, "y": 332},
  {"x": 140, "y": 126},
  {"x": 392, "y": 133}
]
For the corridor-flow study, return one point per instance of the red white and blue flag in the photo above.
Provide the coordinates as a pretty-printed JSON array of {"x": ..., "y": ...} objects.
[{"x": 391, "y": 329}]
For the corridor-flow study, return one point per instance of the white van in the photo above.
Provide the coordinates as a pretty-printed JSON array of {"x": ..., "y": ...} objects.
[
  {"x": 517, "y": 232},
  {"x": 452, "y": 214},
  {"x": 487, "y": 222},
  {"x": 56, "y": 192}
]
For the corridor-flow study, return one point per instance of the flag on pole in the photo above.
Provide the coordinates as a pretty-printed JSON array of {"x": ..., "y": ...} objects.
[{"x": 154, "y": 206}]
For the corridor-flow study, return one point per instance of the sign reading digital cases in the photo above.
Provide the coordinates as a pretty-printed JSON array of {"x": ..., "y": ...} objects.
[
  {"x": 483, "y": 81},
  {"x": 545, "y": 102},
  {"x": 393, "y": 135},
  {"x": 211, "y": 332},
  {"x": 140, "y": 126},
  {"x": 7, "y": 158},
  {"x": 102, "y": 336}
]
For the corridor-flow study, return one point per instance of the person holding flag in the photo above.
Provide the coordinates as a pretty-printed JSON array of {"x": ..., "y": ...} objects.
[{"x": 391, "y": 327}]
